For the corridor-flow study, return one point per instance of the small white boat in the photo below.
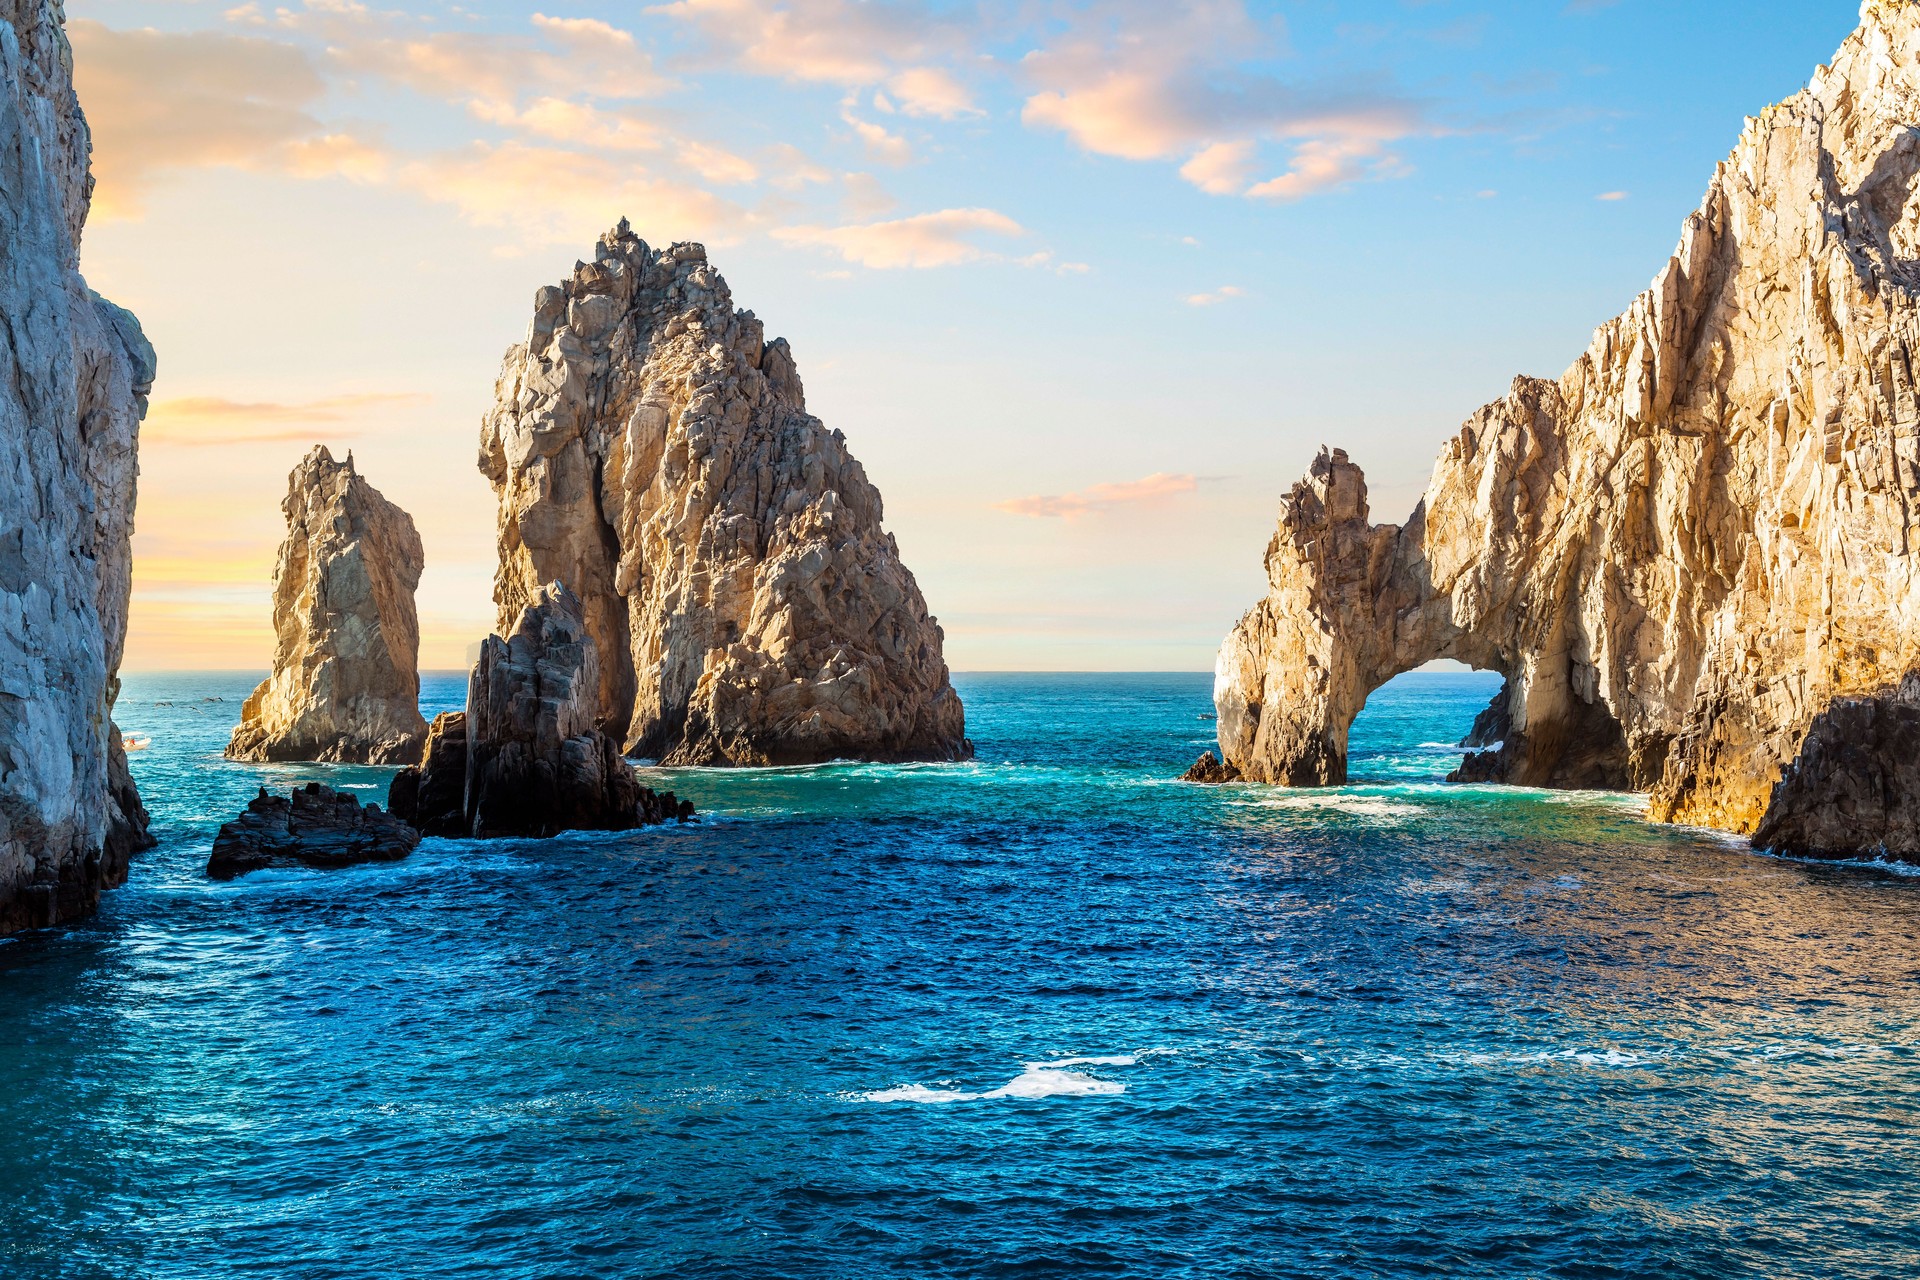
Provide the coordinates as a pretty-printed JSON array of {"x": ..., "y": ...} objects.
[{"x": 137, "y": 741}]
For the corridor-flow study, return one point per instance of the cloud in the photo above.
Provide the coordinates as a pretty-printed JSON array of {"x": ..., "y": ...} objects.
[
  {"x": 197, "y": 421},
  {"x": 579, "y": 123},
  {"x": 161, "y": 101},
  {"x": 1219, "y": 295},
  {"x": 1100, "y": 497},
  {"x": 944, "y": 239},
  {"x": 929, "y": 91},
  {"x": 1149, "y": 82},
  {"x": 845, "y": 42},
  {"x": 1612, "y": 196},
  {"x": 882, "y": 147},
  {"x": 549, "y": 195}
]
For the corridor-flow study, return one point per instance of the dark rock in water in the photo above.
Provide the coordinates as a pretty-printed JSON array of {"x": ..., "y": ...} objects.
[
  {"x": 315, "y": 827},
  {"x": 1493, "y": 725},
  {"x": 1209, "y": 770},
  {"x": 432, "y": 795},
  {"x": 1854, "y": 789},
  {"x": 528, "y": 758}
]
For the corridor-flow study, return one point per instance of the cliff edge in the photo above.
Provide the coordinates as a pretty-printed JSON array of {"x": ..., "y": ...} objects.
[
  {"x": 1682, "y": 551},
  {"x": 70, "y": 816}
]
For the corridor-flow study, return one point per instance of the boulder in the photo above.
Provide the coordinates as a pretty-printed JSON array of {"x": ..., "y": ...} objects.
[
  {"x": 1853, "y": 791},
  {"x": 1210, "y": 771},
  {"x": 346, "y": 681},
  {"x": 530, "y": 756},
  {"x": 79, "y": 370},
  {"x": 650, "y": 448},
  {"x": 314, "y": 827},
  {"x": 1684, "y": 549}
]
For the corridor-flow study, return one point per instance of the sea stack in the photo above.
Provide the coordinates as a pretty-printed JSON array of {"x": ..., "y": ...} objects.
[
  {"x": 529, "y": 753},
  {"x": 70, "y": 410},
  {"x": 652, "y": 450},
  {"x": 346, "y": 682},
  {"x": 1682, "y": 551}
]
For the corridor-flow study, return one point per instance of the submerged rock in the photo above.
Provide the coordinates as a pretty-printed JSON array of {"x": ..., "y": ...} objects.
[
  {"x": 1683, "y": 550},
  {"x": 346, "y": 679},
  {"x": 652, "y": 450},
  {"x": 78, "y": 373},
  {"x": 1854, "y": 789},
  {"x": 314, "y": 827},
  {"x": 529, "y": 755}
]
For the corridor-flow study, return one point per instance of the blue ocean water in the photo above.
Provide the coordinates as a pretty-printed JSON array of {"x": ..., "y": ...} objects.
[{"x": 1046, "y": 1014}]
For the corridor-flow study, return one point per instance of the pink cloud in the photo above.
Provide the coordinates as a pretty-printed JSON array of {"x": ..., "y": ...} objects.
[{"x": 1100, "y": 497}]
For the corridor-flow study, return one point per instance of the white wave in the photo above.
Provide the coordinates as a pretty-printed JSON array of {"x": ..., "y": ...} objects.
[
  {"x": 1584, "y": 1057},
  {"x": 1892, "y": 866},
  {"x": 1357, "y": 806},
  {"x": 1037, "y": 1080}
]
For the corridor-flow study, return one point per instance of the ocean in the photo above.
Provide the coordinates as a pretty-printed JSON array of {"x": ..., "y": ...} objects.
[{"x": 1050, "y": 1013}]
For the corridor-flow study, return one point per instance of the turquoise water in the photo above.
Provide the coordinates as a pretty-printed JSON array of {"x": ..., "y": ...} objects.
[{"x": 1046, "y": 1014}]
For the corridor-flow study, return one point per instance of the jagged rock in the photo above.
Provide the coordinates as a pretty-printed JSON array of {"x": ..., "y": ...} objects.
[
  {"x": 79, "y": 370},
  {"x": 1209, "y": 770},
  {"x": 433, "y": 795},
  {"x": 1683, "y": 550},
  {"x": 346, "y": 678},
  {"x": 315, "y": 827},
  {"x": 531, "y": 758},
  {"x": 650, "y": 449},
  {"x": 1854, "y": 789}
]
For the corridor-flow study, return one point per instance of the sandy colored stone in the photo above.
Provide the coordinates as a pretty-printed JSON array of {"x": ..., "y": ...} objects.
[
  {"x": 1685, "y": 548},
  {"x": 346, "y": 678},
  {"x": 70, "y": 409},
  {"x": 652, "y": 450}
]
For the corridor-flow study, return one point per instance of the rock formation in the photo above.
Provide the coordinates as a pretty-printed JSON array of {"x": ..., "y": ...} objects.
[
  {"x": 1854, "y": 789},
  {"x": 535, "y": 762},
  {"x": 1690, "y": 544},
  {"x": 70, "y": 409},
  {"x": 346, "y": 679},
  {"x": 650, "y": 449},
  {"x": 315, "y": 827}
]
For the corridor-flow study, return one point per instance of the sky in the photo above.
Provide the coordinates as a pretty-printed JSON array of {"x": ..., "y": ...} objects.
[{"x": 1086, "y": 283}]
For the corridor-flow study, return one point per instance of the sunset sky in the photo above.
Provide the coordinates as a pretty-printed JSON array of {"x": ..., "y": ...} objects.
[{"x": 1085, "y": 284}]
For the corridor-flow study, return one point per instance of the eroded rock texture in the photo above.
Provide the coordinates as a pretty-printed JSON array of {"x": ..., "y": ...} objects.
[
  {"x": 346, "y": 677},
  {"x": 79, "y": 371},
  {"x": 1854, "y": 789},
  {"x": 650, "y": 449},
  {"x": 315, "y": 827},
  {"x": 533, "y": 758},
  {"x": 1685, "y": 548}
]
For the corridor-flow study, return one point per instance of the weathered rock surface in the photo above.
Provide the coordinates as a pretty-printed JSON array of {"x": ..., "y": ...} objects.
[
  {"x": 1211, "y": 771},
  {"x": 1683, "y": 550},
  {"x": 650, "y": 449},
  {"x": 314, "y": 827},
  {"x": 346, "y": 678},
  {"x": 70, "y": 407},
  {"x": 1854, "y": 789},
  {"x": 532, "y": 758}
]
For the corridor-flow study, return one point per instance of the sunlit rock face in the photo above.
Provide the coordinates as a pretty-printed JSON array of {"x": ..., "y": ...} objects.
[
  {"x": 346, "y": 681},
  {"x": 1685, "y": 548},
  {"x": 70, "y": 409},
  {"x": 652, "y": 450}
]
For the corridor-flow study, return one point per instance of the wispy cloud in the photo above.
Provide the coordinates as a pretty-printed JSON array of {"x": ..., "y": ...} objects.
[
  {"x": 1101, "y": 497},
  {"x": 198, "y": 421},
  {"x": 1222, "y": 294},
  {"x": 1611, "y": 196},
  {"x": 944, "y": 239}
]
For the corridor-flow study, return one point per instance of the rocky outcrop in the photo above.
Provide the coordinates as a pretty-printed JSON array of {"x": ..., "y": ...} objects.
[
  {"x": 314, "y": 827},
  {"x": 533, "y": 759},
  {"x": 79, "y": 371},
  {"x": 1685, "y": 548},
  {"x": 346, "y": 679},
  {"x": 1210, "y": 771},
  {"x": 1854, "y": 789},
  {"x": 652, "y": 450}
]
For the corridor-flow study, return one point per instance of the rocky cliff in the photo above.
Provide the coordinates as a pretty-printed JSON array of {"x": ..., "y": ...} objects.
[
  {"x": 652, "y": 450},
  {"x": 70, "y": 410},
  {"x": 1685, "y": 548},
  {"x": 346, "y": 680}
]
